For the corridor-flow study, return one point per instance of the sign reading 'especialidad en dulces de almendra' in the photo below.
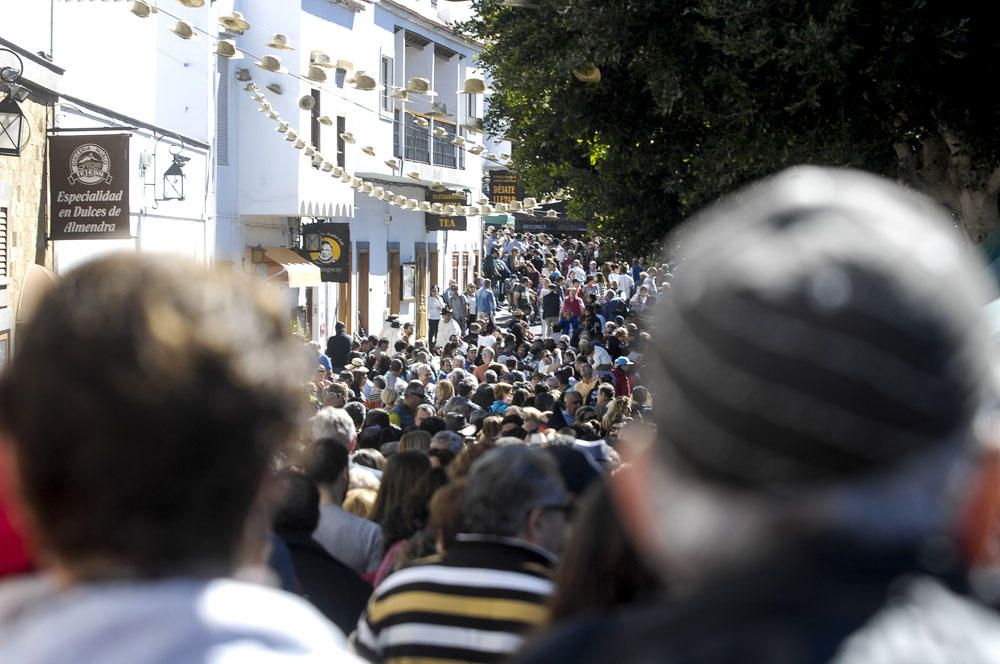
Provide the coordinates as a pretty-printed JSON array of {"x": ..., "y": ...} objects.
[{"x": 89, "y": 186}]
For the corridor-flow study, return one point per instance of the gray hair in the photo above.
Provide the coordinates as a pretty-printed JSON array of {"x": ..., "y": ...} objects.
[
  {"x": 330, "y": 422},
  {"x": 505, "y": 484},
  {"x": 450, "y": 439}
]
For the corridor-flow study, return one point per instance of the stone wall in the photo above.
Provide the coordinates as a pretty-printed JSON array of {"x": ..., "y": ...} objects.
[{"x": 24, "y": 192}]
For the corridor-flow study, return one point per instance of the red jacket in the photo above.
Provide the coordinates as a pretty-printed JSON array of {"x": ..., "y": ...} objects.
[{"x": 623, "y": 382}]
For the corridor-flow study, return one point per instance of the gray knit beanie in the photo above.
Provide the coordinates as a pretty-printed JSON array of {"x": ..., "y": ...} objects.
[{"x": 825, "y": 324}]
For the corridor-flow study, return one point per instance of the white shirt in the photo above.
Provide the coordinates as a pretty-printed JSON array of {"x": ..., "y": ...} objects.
[
  {"x": 448, "y": 328},
  {"x": 434, "y": 306}
]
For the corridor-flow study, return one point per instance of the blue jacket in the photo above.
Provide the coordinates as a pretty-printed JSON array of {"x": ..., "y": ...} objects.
[{"x": 486, "y": 301}]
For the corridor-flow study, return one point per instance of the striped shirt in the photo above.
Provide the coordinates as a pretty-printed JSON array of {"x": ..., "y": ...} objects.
[{"x": 474, "y": 604}]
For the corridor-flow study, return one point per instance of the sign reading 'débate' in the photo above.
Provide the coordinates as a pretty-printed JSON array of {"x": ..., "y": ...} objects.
[{"x": 89, "y": 186}]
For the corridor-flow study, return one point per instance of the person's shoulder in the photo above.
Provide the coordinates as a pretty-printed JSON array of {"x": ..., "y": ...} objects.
[
  {"x": 221, "y": 617},
  {"x": 585, "y": 639}
]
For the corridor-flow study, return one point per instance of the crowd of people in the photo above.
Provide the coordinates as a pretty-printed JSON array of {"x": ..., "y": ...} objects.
[{"x": 769, "y": 452}]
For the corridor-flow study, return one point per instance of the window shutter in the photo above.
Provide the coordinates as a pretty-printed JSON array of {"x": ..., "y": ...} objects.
[{"x": 222, "y": 115}]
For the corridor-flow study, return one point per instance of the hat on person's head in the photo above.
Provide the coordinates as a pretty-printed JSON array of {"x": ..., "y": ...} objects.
[
  {"x": 356, "y": 364},
  {"x": 623, "y": 361},
  {"x": 576, "y": 468},
  {"x": 456, "y": 422},
  {"x": 339, "y": 326},
  {"x": 564, "y": 339},
  {"x": 415, "y": 387},
  {"x": 828, "y": 328}
]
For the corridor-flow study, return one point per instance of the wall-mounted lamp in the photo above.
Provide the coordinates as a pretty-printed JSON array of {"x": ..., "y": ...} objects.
[
  {"x": 173, "y": 180},
  {"x": 13, "y": 127}
]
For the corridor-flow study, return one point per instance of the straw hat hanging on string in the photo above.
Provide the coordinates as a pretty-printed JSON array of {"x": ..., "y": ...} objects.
[
  {"x": 530, "y": 204},
  {"x": 344, "y": 176},
  {"x": 399, "y": 94},
  {"x": 410, "y": 204},
  {"x": 300, "y": 144},
  {"x": 437, "y": 185},
  {"x": 344, "y": 65},
  {"x": 280, "y": 42},
  {"x": 310, "y": 151},
  {"x": 588, "y": 73},
  {"x": 226, "y": 48},
  {"x": 337, "y": 172},
  {"x": 317, "y": 74},
  {"x": 183, "y": 30},
  {"x": 459, "y": 141},
  {"x": 474, "y": 125},
  {"x": 282, "y": 127},
  {"x": 319, "y": 58},
  {"x": 414, "y": 175},
  {"x": 348, "y": 137},
  {"x": 317, "y": 159},
  {"x": 327, "y": 166},
  {"x": 143, "y": 9},
  {"x": 421, "y": 122},
  {"x": 307, "y": 102},
  {"x": 477, "y": 149},
  {"x": 243, "y": 75},
  {"x": 439, "y": 132},
  {"x": 425, "y": 206},
  {"x": 551, "y": 214},
  {"x": 364, "y": 81},
  {"x": 420, "y": 86},
  {"x": 438, "y": 111},
  {"x": 515, "y": 206},
  {"x": 392, "y": 163},
  {"x": 271, "y": 63},
  {"x": 275, "y": 88},
  {"x": 234, "y": 22},
  {"x": 325, "y": 120},
  {"x": 356, "y": 182},
  {"x": 367, "y": 187},
  {"x": 399, "y": 199},
  {"x": 368, "y": 150},
  {"x": 291, "y": 135},
  {"x": 474, "y": 86},
  {"x": 192, "y": 3}
]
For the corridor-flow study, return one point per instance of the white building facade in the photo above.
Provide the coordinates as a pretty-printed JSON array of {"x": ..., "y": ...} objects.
[
  {"x": 270, "y": 194},
  {"x": 250, "y": 196}
]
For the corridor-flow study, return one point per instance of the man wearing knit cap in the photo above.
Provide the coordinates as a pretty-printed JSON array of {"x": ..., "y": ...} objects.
[{"x": 818, "y": 485}]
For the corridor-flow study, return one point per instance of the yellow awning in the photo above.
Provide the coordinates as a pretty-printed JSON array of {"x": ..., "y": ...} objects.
[{"x": 301, "y": 272}]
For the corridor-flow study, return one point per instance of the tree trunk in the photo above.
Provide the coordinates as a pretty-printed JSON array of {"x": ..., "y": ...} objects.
[{"x": 942, "y": 170}]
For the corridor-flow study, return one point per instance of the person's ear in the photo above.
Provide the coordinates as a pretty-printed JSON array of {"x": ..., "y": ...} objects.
[
  {"x": 979, "y": 522},
  {"x": 532, "y": 524}
]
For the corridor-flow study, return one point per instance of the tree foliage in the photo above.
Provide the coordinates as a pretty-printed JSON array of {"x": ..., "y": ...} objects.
[{"x": 698, "y": 97}]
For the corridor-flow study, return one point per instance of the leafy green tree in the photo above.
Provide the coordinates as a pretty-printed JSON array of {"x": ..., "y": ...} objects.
[{"x": 698, "y": 97}]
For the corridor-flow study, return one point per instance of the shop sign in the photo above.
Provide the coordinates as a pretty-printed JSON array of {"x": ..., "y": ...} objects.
[
  {"x": 328, "y": 246},
  {"x": 444, "y": 222},
  {"x": 504, "y": 187},
  {"x": 89, "y": 186}
]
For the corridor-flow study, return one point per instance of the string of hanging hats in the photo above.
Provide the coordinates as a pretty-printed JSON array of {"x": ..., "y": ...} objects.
[
  {"x": 364, "y": 81},
  {"x": 374, "y": 190},
  {"x": 227, "y": 48}
]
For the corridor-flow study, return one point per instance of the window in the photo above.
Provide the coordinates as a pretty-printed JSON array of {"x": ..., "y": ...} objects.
[
  {"x": 397, "y": 123},
  {"x": 314, "y": 125},
  {"x": 341, "y": 143},
  {"x": 417, "y": 140},
  {"x": 387, "y": 80},
  {"x": 470, "y": 105},
  {"x": 444, "y": 151}
]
